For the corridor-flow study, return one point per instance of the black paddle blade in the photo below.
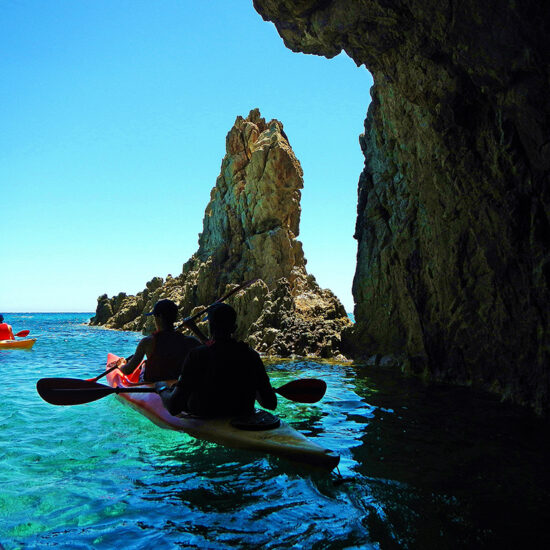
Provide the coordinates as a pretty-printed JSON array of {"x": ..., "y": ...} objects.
[
  {"x": 307, "y": 390},
  {"x": 71, "y": 391}
]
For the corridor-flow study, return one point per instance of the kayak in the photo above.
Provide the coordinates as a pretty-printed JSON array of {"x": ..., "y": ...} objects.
[
  {"x": 281, "y": 441},
  {"x": 17, "y": 344}
]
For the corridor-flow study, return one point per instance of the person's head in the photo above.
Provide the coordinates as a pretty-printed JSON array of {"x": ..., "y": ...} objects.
[
  {"x": 222, "y": 320},
  {"x": 165, "y": 313},
  {"x": 1, "y": 318}
]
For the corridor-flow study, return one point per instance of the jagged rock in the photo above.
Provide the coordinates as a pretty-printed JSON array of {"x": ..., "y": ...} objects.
[
  {"x": 453, "y": 222},
  {"x": 250, "y": 231},
  {"x": 103, "y": 312}
]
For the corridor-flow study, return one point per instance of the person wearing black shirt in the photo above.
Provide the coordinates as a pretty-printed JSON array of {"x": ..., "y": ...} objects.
[{"x": 223, "y": 378}]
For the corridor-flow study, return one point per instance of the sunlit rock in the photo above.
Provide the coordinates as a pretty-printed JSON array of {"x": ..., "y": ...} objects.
[{"x": 250, "y": 231}]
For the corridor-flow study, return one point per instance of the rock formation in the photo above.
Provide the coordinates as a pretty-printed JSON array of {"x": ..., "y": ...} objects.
[
  {"x": 249, "y": 231},
  {"x": 453, "y": 226}
]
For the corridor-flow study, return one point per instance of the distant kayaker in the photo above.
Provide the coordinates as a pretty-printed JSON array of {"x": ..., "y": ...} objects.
[
  {"x": 166, "y": 349},
  {"x": 223, "y": 378},
  {"x": 6, "y": 332}
]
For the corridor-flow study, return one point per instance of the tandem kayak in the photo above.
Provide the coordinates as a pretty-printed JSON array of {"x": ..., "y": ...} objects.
[
  {"x": 281, "y": 441},
  {"x": 17, "y": 344}
]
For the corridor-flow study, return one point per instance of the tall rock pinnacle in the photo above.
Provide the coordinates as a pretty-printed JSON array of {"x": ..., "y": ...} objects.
[
  {"x": 250, "y": 231},
  {"x": 252, "y": 220}
]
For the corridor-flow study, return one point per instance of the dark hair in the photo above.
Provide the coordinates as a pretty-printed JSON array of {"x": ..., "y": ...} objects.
[
  {"x": 166, "y": 309},
  {"x": 1, "y": 318},
  {"x": 222, "y": 317}
]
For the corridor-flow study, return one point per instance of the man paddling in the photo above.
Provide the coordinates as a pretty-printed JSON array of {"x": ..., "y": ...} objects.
[
  {"x": 166, "y": 349},
  {"x": 223, "y": 378},
  {"x": 6, "y": 332}
]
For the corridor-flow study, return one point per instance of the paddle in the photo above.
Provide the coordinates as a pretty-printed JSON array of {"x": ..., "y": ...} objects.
[
  {"x": 102, "y": 374},
  {"x": 306, "y": 390},
  {"x": 23, "y": 333},
  {"x": 218, "y": 301},
  {"x": 73, "y": 391}
]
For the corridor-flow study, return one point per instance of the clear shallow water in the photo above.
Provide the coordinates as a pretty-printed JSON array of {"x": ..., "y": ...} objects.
[{"x": 426, "y": 467}]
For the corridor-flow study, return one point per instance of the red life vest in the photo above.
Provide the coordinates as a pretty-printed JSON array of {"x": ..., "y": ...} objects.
[{"x": 6, "y": 332}]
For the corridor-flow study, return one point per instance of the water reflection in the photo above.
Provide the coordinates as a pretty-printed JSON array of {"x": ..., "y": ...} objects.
[{"x": 425, "y": 466}]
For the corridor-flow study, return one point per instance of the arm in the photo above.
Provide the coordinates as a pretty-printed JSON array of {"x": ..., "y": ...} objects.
[
  {"x": 192, "y": 326},
  {"x": 175, "y": 398},
  {"x": 130, "y": 366},
  {"x": 12, "y": 337}
]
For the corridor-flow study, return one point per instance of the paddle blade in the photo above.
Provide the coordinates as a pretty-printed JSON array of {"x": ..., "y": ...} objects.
[
  {"x": 71, "y": 391},
  {"x": 307, "y": 390},
  {"x": 23, "y": 333}
]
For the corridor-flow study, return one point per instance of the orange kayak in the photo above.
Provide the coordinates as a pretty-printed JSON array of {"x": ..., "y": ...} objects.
[
  {"x": 282, "y": 440},
  {"x": 17, "y": 344}
]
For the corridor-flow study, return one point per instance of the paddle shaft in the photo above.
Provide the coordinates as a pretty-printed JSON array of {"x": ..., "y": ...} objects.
[
  {"x": 218, "y": 301},
  {"x": 103, "y": 374},
  {"x": 72, "y": 391}
]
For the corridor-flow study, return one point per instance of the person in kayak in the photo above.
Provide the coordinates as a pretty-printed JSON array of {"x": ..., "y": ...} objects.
[
  {"x": 6, "y": 332},
  {"x": 223, "y": 378},
  {"x": 165, "y": 349}
]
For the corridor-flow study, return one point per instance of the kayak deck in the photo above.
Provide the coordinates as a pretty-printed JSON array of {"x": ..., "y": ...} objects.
[
  {"x": 17, "y": 344},
  {"x": 282, "y": 441}
]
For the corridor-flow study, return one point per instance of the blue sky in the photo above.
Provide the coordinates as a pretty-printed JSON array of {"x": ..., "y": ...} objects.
[{"x": 114, "y": 115}]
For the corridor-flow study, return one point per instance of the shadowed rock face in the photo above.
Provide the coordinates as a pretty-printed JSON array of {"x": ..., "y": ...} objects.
[
  {"x": 249, "y": 231},
  {"x": 453, "y": 225}
]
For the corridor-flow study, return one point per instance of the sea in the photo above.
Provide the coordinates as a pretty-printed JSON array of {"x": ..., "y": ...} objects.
[{"x": 423, "y": 466}]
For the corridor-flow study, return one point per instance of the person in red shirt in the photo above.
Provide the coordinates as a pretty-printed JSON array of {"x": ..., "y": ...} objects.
[
  {"x": 165, "y": 349},
  {"x": 6, "y": 332}
]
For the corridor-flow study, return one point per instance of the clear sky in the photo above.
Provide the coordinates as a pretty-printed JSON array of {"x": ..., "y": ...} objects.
[{"x": 113, "y": 122}]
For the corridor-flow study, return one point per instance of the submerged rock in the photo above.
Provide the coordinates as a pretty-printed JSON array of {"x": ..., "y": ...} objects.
[
  {"x": 250, "y": 231},
  {"x": 453, "y": 223}
]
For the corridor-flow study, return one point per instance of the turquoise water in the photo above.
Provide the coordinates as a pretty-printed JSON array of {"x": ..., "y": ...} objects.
[{"x": 425, "y": 467}]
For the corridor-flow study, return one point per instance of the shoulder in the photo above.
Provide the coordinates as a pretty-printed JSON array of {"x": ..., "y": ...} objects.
[
  {"x": 199, "y": 351},
  {"x": 146, "y": 342},
  {"x": 245, "y": 349}
]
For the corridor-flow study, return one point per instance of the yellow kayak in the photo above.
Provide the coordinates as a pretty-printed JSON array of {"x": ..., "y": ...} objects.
[
  {"x": 281, "y": 440},
  {"x": 17, "y": 344}
]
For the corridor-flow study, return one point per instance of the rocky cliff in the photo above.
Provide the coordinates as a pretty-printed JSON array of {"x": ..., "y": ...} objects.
[
  {"x": 250, "y": 231},
  {"x": 453, "y": 226}
]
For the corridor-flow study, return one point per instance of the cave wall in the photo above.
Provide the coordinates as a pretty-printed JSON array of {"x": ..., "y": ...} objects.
[{"x": 453, "y": 219}]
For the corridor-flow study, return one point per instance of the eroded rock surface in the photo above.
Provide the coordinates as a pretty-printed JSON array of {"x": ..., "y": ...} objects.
[
  {"x": 250, "y": 231},
  {"x": 453, "y": 224}
]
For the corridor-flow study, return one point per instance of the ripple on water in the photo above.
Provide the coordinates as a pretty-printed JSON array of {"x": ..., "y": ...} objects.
[{"x": 425, "y": 467}]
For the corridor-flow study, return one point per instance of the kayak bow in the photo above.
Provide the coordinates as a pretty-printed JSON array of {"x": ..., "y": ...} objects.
[{"x": 17, "y": 344}]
